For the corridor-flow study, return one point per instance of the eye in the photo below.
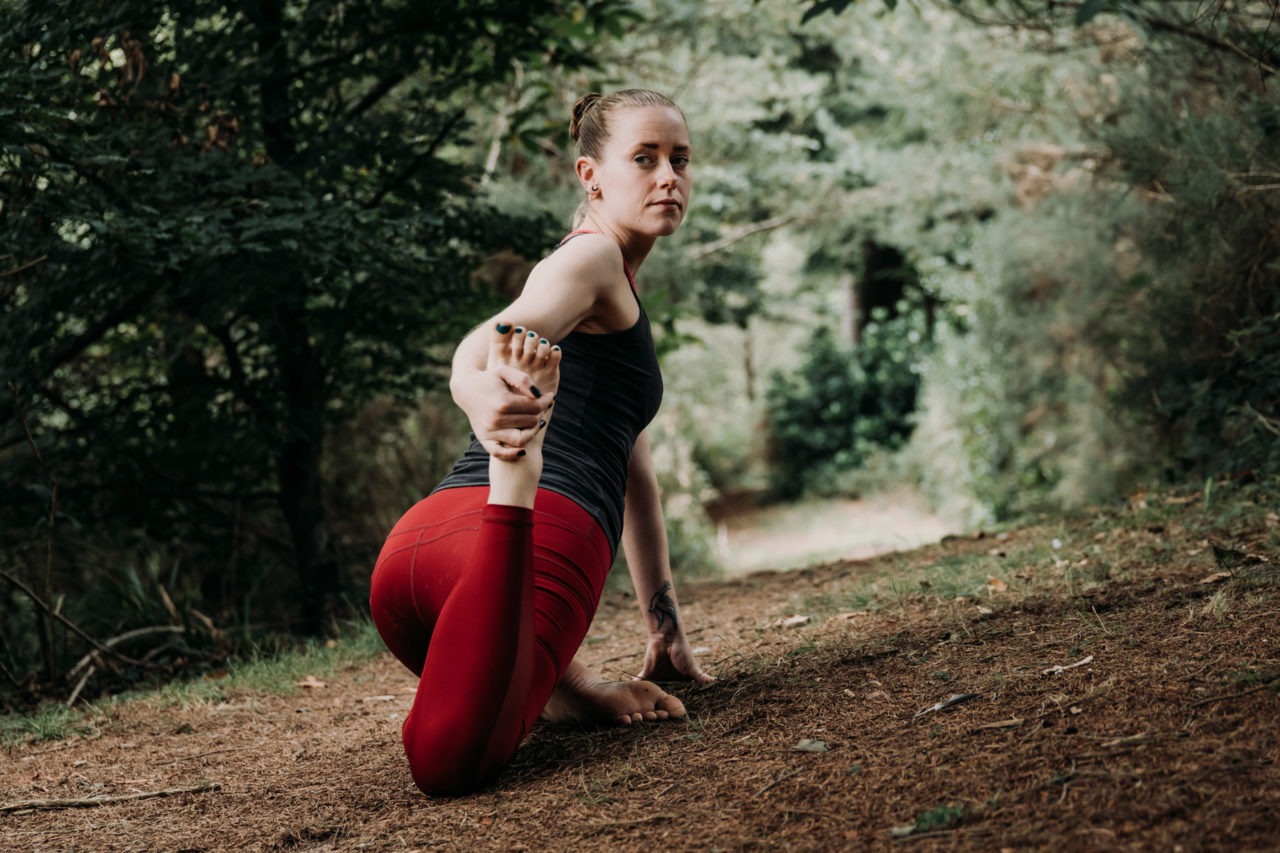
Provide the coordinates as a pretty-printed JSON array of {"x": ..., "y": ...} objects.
[
  {"x": 643, "y": 159},
  {"x": 680, "y": 160}
]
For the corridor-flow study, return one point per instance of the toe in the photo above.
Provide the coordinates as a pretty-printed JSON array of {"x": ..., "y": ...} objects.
[
  {"x": 529, "y": 350},
  {"x": 673, "y": 706},
  {"x": 499, "y": 342}
]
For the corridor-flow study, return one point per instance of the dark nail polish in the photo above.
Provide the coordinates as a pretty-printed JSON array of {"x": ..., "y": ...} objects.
[
  {"x": 541, "y": 424},
  {"x": 543, "y": 342},
  {"x": 533, "y": 389},
  {"x": 503, "y": 328},
  {"x": 519, "y": 330},
  {"x": 521, "y": 453},
  {"x": 532, "y": 334},
  {"x": 555, "y": 349}
]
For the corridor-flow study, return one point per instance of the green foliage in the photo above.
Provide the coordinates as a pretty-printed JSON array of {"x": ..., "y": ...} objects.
[
  {"x": 843, "y": 403},
  {"x": 229, "y": 228}
]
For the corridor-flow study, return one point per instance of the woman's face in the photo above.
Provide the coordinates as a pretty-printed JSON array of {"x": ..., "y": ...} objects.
[{"x": 644, "y": 177}]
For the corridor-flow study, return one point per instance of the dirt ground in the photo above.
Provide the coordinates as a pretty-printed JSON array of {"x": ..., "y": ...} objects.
[{"x": 1120, "y": 684}]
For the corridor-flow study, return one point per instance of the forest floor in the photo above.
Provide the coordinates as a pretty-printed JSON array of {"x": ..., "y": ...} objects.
[{"x": 1106, "y": 681}]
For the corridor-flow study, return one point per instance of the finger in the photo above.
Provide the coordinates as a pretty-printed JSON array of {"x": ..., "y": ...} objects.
[
  {"x": 520, "y": 384},
  {"x": 516, "y": 438},
  {"x": 501, "y": 451}
]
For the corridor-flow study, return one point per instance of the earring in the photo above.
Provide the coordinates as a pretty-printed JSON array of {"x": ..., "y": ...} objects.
[{"x": 594, "y": 189}]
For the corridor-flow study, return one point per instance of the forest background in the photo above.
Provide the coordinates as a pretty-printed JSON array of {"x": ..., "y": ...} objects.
[{"x": 1022, "y": 256}]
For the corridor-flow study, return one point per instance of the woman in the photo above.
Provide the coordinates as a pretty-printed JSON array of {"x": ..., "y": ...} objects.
[{"x": 487, "y": 587}]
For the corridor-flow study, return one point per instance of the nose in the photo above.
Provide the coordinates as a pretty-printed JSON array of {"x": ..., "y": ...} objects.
[{"x": 667, "y": 176}]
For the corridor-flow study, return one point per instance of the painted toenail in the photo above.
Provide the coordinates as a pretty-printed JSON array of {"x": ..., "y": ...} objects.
[
  {"x": 503, "y": 328},
  {"x": 543, "y": 342},
  {"x": 532, "y": 334},
  {"x": 519, "y": 330}
]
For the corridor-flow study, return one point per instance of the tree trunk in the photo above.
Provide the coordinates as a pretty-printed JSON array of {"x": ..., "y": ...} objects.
[{"x": 302, "y": 440}]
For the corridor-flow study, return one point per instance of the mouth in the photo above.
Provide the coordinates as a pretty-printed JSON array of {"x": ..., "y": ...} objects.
[{"x": 668, "y": 202}]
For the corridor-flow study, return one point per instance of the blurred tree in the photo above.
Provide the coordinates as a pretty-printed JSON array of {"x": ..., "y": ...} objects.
[{"x": 226, "y": 227}]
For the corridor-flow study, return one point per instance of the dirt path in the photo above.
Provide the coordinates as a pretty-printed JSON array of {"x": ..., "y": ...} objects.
[
  {"x": 1121, "y": 677},
  {"x": 790, "y": 536}
]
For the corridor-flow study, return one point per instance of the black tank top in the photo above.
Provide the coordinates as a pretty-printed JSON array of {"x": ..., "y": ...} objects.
[{"x": 610, "y": 388}]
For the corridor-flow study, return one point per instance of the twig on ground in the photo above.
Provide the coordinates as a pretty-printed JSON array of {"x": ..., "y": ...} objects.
[
  {"x": 84, "y": 679},
  {"x": 126, "y": 636},
  {"x": 1263, "y": 686},
  {"x": 104, "y": 801}
]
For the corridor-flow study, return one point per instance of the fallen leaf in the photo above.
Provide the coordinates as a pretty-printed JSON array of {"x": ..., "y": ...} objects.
[
  {"x": 311, "y": 683},
  {"x": 809, "y": 745},
  {"x": 1215, "y": 577},
  {"x": 994, "y": 584},
  {"x": 792, "y": 621},
  {"x": 385, "y": 697}
]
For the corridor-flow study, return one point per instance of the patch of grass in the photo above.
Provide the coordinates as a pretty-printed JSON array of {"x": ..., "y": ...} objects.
[
  {"x": 943, "y": 817},
  {"x": 54, "y": 722},
  {"x": 267, "y": 669}
]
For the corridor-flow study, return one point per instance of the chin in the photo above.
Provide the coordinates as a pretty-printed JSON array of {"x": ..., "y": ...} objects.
[{"x": 666, "y": 229}]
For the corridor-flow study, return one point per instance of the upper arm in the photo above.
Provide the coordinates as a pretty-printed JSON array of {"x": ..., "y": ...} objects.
[
  {"x": 642, "y": 479},
  {"x": 567, "y": 287}
]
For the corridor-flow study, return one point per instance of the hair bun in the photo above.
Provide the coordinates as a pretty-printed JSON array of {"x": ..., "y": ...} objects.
[{"x": 580, "y": 108}]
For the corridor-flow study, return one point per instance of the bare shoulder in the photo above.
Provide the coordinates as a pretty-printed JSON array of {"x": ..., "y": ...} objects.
[
  {"x": 578, "y": 286},
  {"x": 588, "y": 259}
]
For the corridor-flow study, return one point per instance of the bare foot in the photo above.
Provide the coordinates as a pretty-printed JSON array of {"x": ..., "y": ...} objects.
[
  {"x": 585, "y": 697},
  {"x": 515, "y": 483}
]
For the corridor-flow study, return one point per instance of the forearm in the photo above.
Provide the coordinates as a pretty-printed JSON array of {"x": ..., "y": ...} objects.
[
  {"x": 644, "y": 541},
  {"x": 469, "y": 359}
]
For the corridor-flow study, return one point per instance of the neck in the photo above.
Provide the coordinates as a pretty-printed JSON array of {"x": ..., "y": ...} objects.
[{"x": 635, "y": 248}]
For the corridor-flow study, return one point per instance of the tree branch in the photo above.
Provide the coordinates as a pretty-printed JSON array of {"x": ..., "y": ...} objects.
[
  {"x": 416, "y": 163},
  {"x": 75, "y": 629},
  {"x": 103, "y": 801},
  {"x": 22, "y": 267},
  {"x": 740, "y": 233},
  {"x": 1160, "y": 25}
]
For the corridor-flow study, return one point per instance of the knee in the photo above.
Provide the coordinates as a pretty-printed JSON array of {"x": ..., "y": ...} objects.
[{"x": 443, "y": 766}]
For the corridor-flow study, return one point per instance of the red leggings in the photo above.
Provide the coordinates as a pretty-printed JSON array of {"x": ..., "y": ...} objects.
[{"x": 488, "y": 605}]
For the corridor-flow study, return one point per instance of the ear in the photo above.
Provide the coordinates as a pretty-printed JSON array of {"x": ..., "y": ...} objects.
[{"x": 586, "y": 169}]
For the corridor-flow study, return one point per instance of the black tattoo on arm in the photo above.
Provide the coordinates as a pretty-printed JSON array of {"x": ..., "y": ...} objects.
[{"x": 662, "y": 607}]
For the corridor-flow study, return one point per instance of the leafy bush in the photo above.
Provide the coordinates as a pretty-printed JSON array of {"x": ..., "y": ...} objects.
[{"x": 844, "y": 402}]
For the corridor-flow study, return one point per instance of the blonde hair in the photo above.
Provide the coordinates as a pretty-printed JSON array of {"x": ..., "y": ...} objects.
[{"x": 589, "y": 124}]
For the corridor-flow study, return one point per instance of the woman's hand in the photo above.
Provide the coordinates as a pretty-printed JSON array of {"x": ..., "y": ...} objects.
[
  {"x": 502, "y": 407},
  {"x": 669, "y": 657}
]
